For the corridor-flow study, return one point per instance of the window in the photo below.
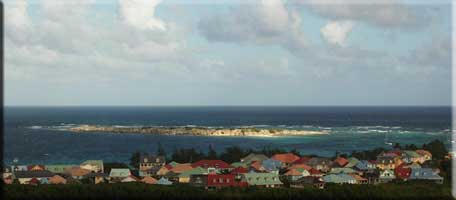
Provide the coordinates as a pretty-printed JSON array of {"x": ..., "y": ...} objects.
[
  {"x": 220, "y": 180},
  {"x": 214, "y": 180},
  {"x": 227, "y": 180}
]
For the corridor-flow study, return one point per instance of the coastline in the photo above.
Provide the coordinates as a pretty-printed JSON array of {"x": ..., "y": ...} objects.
[{"x": 195, "y": 131}]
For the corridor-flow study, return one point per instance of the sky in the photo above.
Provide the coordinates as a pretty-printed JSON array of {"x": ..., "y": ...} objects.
[{"x": 265, "y": 52}]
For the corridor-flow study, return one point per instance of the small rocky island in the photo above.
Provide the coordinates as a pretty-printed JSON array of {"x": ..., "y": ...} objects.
[{"x": 195, "y": 131}]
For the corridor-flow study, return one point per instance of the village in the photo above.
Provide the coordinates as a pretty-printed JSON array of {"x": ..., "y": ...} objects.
[{"x": 255, "y": 169}]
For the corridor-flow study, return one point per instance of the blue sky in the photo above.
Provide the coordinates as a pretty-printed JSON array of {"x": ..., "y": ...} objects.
[{"x": 270, "y": 52}]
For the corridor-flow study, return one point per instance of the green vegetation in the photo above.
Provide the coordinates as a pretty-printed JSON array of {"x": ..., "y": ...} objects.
[{"x": 143, "y": 191}]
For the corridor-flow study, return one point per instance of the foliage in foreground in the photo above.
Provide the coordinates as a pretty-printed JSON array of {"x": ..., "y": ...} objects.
[{"x": 143, "y": 191}]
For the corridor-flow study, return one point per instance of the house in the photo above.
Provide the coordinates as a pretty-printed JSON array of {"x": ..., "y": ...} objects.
[
  {"x": 117, "y": 174},
  {"x": 198, "y": 180},
  {"x": 148, "y": 162},
  {"x": 253, "y": 157},
  {"x": 412, "y": 157},
  {"x": 295, "y": 174},
  {"x": 8, "y": 180},
  {"x": 97, "y": 177},
  {"x": 342, "y": 170},
  {"x": 220, "y": 180},
  {"x": 372, "y": 176},
  {"x": 402, "y": 172},
  {"x": 172, "y": 176},
  {"x": 59, "y": 169},
  {"x": 315, "y": 173},
  {"x": 93, "y": 165},
  {"x": 425, "y": 155},
  {"x": 24, "y": 177},
  {"x": 7, "y": 172},
  {"x": 302, "y": 160},
  {"x": 271, "y": 165},
  {"x": 44, "y": 181},
  {"x": 385, "y": 162},
  {"x": 164, "y": 181},
  {"x": 185, "y": 176},
  {"x": 163, "y": 170},
  {"x": 257, "y": 166},
  {"x": 300, "y": 166},
  {"x": 56, "y": 179},
  {"x": 239, "y": 164},
  {"x": 413, "y": 165},
  {"x": 322, "y": 164},
  {"x": 239, "y": 170},
  {"x": 339, "y": 179},
  {"x": 35, "y": 168},
  {"x": 77, "y": 172},
  {"x": 426, "y": 174},
  {"x": 130, "y": 179},
  {"x": 365, "y": 166},
  {"x": 180, "y": 168},
  {"x": 262, "y": 179},
  {"x": 386, "y": 175},
  {"x": 285, "y": 158},
  {"x": 352, "y": 162},
  {"x": 308, "y": 181},
  {"x": 149, "y": 180},
  {"x": 359, "y": 179},
  {"x": 19, "y": 168},
  {"x": 339, "y": 162},
  {"x": 150, "y": 171},
  {"x": 213, "y": 166}
]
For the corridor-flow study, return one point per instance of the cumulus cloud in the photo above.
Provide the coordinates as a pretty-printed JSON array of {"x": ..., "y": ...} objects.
[
  {"x": 335, "y": 32},
  {"x": 268, "y": 22},
  {"x": 17, "y": 15},
  {"x": 141, "y": 14},
  {"x": 384, "y": 13}
]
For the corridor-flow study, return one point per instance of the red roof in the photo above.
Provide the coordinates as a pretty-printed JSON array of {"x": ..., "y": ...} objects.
[
  {"x": 35, "y": 167},
  {"x": 395, "y": 151},
  {"x": 302, "y": 160},
  {"x": 314, "y": 171},
  {"x": 256, "y": 165},
  {"x": 239, "y": 170},
  {"x": 220, "y": 180},
  {"x": 302, "y": 166},
  {"x": 402, "y": 172},
  {"x": 286, "y": 157},
  {"x": 211, "y": 163},
  {"x": 341, "y": 161}
]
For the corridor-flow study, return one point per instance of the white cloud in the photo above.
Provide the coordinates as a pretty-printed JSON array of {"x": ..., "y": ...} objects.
[
  {"x": 16, "y": 14},
  {"x": 268, "y": 22},
  {"x": 141, "y": 14},
  {"x": 336, "y": 32}
]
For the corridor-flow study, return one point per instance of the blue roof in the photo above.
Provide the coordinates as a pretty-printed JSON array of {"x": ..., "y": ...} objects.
[
  {"x": 338, "y": 178},
  {"x": 271, "y": 164},
  {"x": 164, "y": 181},
  {"x": 424, "y": 173},
  {"x": 362, "y": 165}
]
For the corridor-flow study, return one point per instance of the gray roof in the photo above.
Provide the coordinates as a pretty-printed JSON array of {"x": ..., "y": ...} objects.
[
  {"x": 424, "y": 173},
  {"x": 151, "y": 159},
  {"x": 319, "y": 161},
  {"x": 254, "y": 157},
  {"x": 33, "y": 174}
]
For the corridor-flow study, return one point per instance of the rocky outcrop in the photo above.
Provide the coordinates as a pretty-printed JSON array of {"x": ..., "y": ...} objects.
[{"x": 195, "y": 131}]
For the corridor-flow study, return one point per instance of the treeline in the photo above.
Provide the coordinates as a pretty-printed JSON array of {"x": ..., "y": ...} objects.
[
  {"x": 235, "y": 153},
  {"x": 416, "y": 190}
]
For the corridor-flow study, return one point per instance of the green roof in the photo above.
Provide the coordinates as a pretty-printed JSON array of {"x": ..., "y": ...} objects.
[
  {"x": 352, "y": 161},
  {"x": 58, "y": 168},
  {"x": 173, "y": 163},
  {"x": 194, "y": 171},
  {"x": 340, "y": 170},
  {"x": 262, "y": 179},
  {"x": 93, "y": 162},
  {"x": 238, "y": 164},
  {"x": 119, "y": 172},
  {"x": 412, "y": 154}
]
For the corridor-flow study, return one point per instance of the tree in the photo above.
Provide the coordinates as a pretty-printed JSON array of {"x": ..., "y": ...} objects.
[
  {"x": 437, "y": 149},
  {"x": 161, "y": 150},
  {"x": 211, "y": 154},
  {"x": 232, "y": 154},
  {"x": 134, "y": 159}
]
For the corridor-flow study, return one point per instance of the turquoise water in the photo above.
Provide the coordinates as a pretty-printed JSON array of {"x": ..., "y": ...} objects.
[{"x": 31, "y": 135}]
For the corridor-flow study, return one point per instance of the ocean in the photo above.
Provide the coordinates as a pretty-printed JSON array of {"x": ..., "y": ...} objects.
[{"x": 32, "y": 135}]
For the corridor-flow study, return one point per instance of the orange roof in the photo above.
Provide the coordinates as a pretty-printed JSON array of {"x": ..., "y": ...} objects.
[
  {"x": 257, "y": 165},
  {"x": 341, "y": 161},
  {"x": 77, "y": 171},
  {"x": 179, "y": 168},
  {"x": 293, "y": 172},
  {"x": 149, "y": 180},
  {"x": 300, "y": 166},
  {"x": 56, "y": 179},
  {"x": 285, "y": 157},
  {"x": 357, "y": 177},
  {"x": 423, "y": 152}
]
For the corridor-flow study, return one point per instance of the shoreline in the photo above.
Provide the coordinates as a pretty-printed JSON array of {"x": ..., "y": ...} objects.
[{"x": 195, "y": 131}]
